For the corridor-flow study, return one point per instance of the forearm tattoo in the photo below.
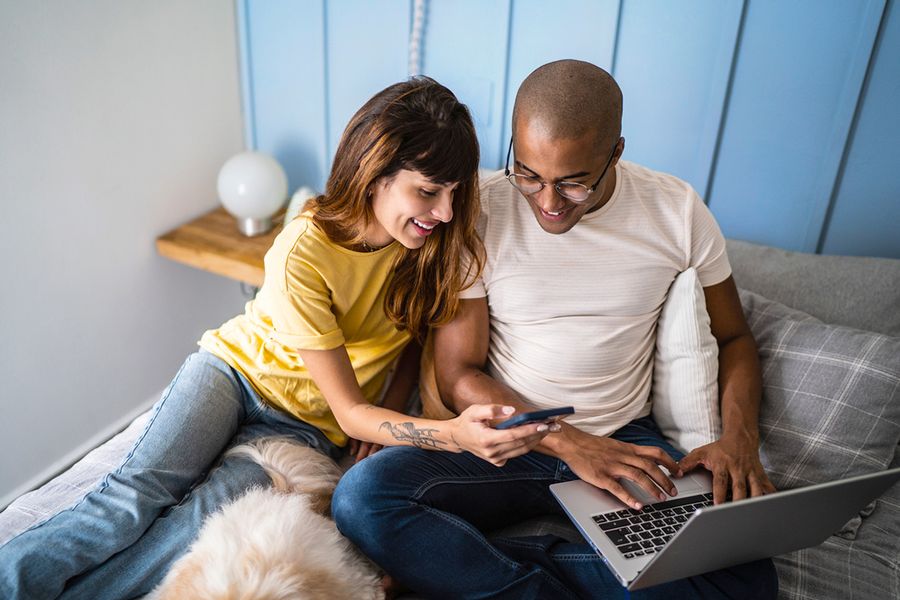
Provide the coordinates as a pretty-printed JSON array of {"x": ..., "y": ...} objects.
[{"x": 407, "y": 432}]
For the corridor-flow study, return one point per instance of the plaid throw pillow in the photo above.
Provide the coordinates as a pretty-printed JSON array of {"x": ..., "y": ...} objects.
[{"x": 831, "y": 396}]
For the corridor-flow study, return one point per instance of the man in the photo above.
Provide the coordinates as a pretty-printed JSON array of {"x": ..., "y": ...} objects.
[{"x": 581, "y": 251}]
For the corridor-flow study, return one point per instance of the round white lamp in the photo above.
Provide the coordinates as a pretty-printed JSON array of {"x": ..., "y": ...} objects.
[{"x": 252, "y": 187}]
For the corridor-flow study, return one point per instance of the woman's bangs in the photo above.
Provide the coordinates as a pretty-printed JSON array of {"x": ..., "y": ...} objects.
[{"x": 451, "y": 156}]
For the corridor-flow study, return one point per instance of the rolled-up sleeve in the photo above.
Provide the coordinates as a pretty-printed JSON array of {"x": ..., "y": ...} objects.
[{"x": 298, "y": 300}]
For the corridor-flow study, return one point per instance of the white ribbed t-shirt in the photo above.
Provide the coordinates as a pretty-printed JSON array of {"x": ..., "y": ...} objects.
[{"x": 573, "y": 316}]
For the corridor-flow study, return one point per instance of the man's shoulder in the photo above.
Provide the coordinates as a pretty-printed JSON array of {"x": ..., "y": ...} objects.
[
  {"x": 488, "y": 178},
  {"x": 643, "y": 179},
  {"x": 495, "y": 193},
  {"x": 493, "y": 184}
]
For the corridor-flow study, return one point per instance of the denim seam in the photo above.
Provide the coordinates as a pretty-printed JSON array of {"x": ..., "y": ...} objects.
[
  {"x": 259, "y": 405},
  {"x": 150, "y": 422},
  {"x": 521, "y": 543},
  {"x": 577, "y": 558},
  {"x": 586, "y": 557},
  {"x": 548, "y": 578},
  {"x": 205, "y": 480},
  {"x": 105, "y": 481},
  {"x": 478, "y": 537},
  {"x": 426, "y": 486},
  {"x": 471, "y": 531}
]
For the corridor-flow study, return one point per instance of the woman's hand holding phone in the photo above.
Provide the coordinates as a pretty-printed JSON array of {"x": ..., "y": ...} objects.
[
  {"x": 473, "y": 432},
  {"x": 537, "y": 416}
]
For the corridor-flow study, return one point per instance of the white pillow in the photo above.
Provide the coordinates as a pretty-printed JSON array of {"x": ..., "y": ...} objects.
[{"x": 685, "y": 392}]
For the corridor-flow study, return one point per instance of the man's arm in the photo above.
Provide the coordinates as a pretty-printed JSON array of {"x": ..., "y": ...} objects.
[
  {"x": 460, "y": 355},
  {"x": 734, "y": 458},
  {"x": 460, "y": 350}
]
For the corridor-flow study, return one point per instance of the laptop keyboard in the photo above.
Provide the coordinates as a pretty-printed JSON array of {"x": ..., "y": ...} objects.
[{"x": 639, "y": 532}]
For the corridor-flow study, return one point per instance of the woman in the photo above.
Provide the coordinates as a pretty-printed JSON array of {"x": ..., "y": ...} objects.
[{"x": 368, "y": 267}]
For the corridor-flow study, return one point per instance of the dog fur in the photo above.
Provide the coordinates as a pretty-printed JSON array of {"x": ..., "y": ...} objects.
[{"x": 275, "y": 543}]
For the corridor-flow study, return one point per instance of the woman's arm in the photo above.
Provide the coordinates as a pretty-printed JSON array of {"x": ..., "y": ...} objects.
[
  {"x": 403, "y": 380},
  {"x": 471, "y": 431}
]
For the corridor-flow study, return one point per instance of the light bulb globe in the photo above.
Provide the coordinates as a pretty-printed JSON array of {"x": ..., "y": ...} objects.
[{"x": 252, "y": 187}]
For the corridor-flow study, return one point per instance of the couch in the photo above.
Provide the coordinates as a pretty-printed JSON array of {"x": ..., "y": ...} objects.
[{"x": 828, "y": 331}]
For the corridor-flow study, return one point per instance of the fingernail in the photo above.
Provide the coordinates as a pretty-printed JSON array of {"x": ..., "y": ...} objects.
[
  {"x": 638, "y": 506},
  {"x": 508, "y": 410},
  {"x": 555, "y": 427},
  {"x": 542, "y": 427},
  {"x": 673, "y": 492}
]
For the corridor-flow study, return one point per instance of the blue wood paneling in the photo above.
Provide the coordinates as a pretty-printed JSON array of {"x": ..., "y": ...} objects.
[
  {"x": 286, "y": 77},
  {"x": 573, "y": 29},
  {"x": 366, "y": 46},
  {"x": 465, "y": 49},
  {"x": 673, "y": 64},
  {"x": 760, "y": 104},
  {"x": 245, "y": 49},
  {"x": 866, "y": 215},
  {"x": 797, "y": 79}
]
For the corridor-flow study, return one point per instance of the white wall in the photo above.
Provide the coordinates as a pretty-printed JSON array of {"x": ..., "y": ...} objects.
[{"x": 114, "y": 120}]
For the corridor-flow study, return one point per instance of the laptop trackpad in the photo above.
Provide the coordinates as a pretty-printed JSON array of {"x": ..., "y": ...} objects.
[{"x": 696, "y": 482}]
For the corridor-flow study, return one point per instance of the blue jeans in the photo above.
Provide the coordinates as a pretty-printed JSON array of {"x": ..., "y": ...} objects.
[
  {"x": 422, "y": 516},
  {"x": 120, "y": 539}
]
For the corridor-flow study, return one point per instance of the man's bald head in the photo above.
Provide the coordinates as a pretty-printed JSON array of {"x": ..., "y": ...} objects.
[{"x": 569, "y": 99}]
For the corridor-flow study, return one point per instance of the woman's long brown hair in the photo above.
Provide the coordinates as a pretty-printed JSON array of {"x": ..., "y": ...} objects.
[{"x": 417, "y": 125}]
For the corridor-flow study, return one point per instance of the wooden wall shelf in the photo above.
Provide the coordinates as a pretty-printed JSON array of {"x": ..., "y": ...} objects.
[{"x": 213, "y": 243}]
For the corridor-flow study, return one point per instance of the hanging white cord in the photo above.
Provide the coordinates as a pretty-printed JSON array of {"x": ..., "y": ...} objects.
[{"x": 415, "y": 37}]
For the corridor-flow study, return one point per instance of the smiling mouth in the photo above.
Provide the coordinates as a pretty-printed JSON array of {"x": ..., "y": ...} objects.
[
  {"x": 553, "y": 215},
  {"x": 423, "y": 225},
  {"x": 423, "y": 229}
]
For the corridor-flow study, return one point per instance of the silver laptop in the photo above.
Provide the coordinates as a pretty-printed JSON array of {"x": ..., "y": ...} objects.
[{"x": 687, "y": 535}]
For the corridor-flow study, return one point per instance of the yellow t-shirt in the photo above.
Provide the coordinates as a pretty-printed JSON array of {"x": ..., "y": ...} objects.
[{"x": 316, "y": 295}]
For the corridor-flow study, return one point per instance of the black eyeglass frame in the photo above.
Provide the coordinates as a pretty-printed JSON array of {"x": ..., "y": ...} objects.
[{"x": 590, "y": 190}]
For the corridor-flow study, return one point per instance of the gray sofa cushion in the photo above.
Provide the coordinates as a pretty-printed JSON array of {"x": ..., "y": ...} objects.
[
  {"x": 831, "y": 408},
  {"x": 831, "y": 395},
  {"x": 866, "y": 566},
  {"x": 859, "y": 292}
]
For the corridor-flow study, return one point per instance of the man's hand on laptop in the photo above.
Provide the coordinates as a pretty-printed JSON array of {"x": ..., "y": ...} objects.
[
  {"x": 735, "y": 466},
  {"x": 603, "y": 461}
]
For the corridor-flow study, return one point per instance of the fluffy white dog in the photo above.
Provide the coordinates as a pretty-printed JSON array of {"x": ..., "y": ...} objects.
[{"x": 275, "y": 543}]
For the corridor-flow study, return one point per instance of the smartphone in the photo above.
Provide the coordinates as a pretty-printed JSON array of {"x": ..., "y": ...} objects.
[{"x": 534, "y": 417}]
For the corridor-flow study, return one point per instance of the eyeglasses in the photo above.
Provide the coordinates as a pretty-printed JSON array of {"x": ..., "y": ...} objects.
[{"x": 570, "y": 190}]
